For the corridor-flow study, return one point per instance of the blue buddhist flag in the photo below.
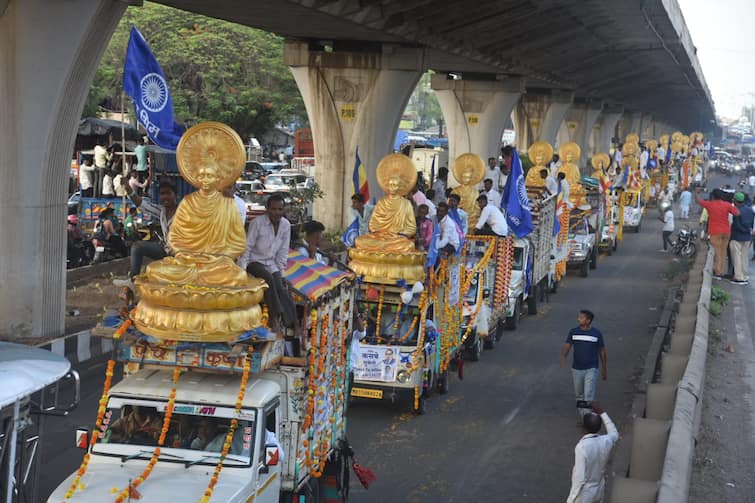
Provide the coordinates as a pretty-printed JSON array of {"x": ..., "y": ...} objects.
[
  {"x": 144, "y": 82},
  {"x": 351, "y": 233},
  {"x": 668, "y": 151},
  {"x": 432, "y": 250},
  {"x": 515, "y": 203}
]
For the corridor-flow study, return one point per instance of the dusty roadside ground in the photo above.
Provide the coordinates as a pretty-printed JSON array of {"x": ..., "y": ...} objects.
[
  {"x": 725, "y": 453},
  {"x": 90, "y": 293}
]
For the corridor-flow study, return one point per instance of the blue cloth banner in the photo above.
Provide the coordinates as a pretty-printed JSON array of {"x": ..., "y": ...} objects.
[
  {"x": 556, "y": 222},
  {"x": 668, "y": 151},
  {"x": 144, "y": 82},
  {"x": 432, "y": 251},
  {"x": 515, "y": 203},
  {"x": 351, "y": 233}
]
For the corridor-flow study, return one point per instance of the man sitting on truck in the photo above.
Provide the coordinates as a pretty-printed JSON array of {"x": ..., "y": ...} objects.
[
  {"x": 491, "y": 221},
  {"x": 449, "y": 240},
  {"x": 457, "y": 214}
]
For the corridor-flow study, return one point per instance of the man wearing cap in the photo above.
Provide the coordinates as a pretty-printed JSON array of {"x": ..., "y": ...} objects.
[
  {"x": 718, "y": 227},
  {"x": 741, "y": 235}
]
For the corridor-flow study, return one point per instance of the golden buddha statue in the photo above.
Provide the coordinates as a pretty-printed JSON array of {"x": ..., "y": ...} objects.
[
  {"x": 540, "y": 153},
  {"x": 387, "y": 253},
  {"x": 663, "y": 140},
  {"x": 632, "y": 138},
  {"x": 200, "y": 294},
  {"x": 600, "y": 163},
  {"x": 570, "y": 154},
  {"x": 469, "y": 170}
]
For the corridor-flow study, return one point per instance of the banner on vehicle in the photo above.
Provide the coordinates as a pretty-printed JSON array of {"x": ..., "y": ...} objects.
[{"x": 376, "y": 363}]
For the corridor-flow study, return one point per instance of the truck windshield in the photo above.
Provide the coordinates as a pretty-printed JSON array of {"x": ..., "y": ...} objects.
[
  {"x": 518, "y": 258},
  {"x": 471, "y": 296},
  {"x": 196, "y": 432},
  {"x": 397, "y": 325}
]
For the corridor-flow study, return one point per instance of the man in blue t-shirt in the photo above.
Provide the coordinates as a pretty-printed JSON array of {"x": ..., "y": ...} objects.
[{"x": 589, "y": 356}]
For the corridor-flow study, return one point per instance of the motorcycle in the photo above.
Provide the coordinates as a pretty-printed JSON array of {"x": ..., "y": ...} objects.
[{"x": 684, "y": 245}]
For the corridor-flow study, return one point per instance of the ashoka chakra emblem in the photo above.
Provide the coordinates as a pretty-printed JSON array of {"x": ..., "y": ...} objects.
[{"x": 154, "y": 92}]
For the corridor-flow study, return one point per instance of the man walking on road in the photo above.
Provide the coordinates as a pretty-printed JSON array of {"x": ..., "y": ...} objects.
[
  {"x": 589, "y": 356},
  {"x": 718, "y": 227},
  {"x": 685, "y": 199},
  {"x": 741, "y": 236},
  {"x": 588, "y": 478}
]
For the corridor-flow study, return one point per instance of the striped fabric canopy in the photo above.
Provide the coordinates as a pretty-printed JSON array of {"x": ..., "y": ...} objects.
[{"x": 310, "y": 278}]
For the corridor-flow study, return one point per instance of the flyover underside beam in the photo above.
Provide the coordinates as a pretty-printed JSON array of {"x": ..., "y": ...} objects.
[
  {"x": 539, "y": 117},
  {"x": 45, "y": 72},
  {"x": 354, "y": 100},
  {"x": 605, "y": 131},
  {"x": 476, "y": 113}
]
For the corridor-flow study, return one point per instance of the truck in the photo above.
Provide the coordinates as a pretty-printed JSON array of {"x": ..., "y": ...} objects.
[
  {"x": 586, "y": 223},
  {"x": 289, "y": 438},
  {"x": 633, "y": 210},
  {"x": 403, "y": 357},
  {"x": 533, "y": 267},
  {"x": 488, "y": 262}
]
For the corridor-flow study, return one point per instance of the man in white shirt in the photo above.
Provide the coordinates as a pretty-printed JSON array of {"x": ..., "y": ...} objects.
[
  {"x": 107, "y": 184},
  {"x": 588, "y": 479},
  {"x": 554, "y": 165},
  {"x": 751, "y": 184},
  {"x": 101, "y": 158},
  {"x": 565, "y": 190},
  {"x": 457, "y": 214},
  {"x": 119, "y": 185},
  {"x": 668, "y": 227},
  {"x": 360, "y": 211},
  {"x": 492, "y": 173},
  {"x": 230, "y": 192},
  {"x": 448, "y": 241},
  {"x": 550, "y": 183},
  {"x": 494, "y": 197},
  {"x": 491, "y": 221},
  {"x": 660, "y": 154},
  {"x": 432, "y": 209},
  {"x": 86, "y": 178},
  {"x": 439, "y": 185},
  {"x": 644, "y": 157},
  {"x": 266, "y": 256},
  {"x": 357, "y": 336}
]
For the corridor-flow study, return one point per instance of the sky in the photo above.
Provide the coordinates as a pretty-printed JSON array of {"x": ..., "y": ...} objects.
[{"x": 725, "y": 49}]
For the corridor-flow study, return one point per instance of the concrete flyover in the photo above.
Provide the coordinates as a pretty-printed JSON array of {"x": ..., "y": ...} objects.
[{"x": 356, "y": 63}]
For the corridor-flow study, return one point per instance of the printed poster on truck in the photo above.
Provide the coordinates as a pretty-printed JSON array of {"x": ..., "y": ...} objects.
[
  {"x": 454, "y": 285},
  {"x": 376, "y": 363}
]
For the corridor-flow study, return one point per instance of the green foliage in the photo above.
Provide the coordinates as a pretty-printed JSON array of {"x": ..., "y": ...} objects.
[
  {"x": 718, "y": 300},
  {"x": 216, "y": 70}
]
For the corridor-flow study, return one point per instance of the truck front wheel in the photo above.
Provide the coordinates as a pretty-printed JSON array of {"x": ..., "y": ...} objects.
[
  {"x": 532, "y": 300},
  {"x": 513, "y": 321},
  {"x": 476, "y": 350},
  {"x": 594, "y": 258},
  {"x": 584, "y": 268},
  {"x": 443, "y": 384}
]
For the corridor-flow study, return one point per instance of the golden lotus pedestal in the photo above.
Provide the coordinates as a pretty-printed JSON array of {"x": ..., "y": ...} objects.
[
  {"x": 197, "y": 313},
  {"x": 381, "y": 267}
]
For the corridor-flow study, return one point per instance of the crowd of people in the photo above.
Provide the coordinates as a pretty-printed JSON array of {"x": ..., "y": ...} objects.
[{"x": 106, "y": 173}]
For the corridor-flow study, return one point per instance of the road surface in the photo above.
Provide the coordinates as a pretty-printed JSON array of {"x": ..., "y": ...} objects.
[{"x": 507, "y": 431}]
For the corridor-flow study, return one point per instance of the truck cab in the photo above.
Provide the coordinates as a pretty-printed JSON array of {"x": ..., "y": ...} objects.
[
  {"x": 583, "y": 252},
  {"x": 633, "y": 211},
  {"x": 200, "y": 420}
]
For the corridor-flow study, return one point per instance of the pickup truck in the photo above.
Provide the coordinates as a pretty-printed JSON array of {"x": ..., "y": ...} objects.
[
  {"x": 402, "y": 357},
  {"x": 291, "y": 423},
  {"x": 633, "y": 210},
  {"x": 583, "y": 252},
  {"x": 532, "y": 264}
]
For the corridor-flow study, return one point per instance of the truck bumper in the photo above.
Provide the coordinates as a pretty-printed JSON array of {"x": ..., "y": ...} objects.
[{"x": 373, "y": 391}]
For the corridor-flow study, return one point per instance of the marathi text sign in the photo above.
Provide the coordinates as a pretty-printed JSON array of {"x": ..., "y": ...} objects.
[{"x": 376, "y": 363}]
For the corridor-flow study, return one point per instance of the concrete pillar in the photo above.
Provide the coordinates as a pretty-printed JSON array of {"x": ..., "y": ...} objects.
[
  {"x": 476, "y": 113},
  {"x": 604, "y": 129},
  {"x": 647, "y": 130},
  {"x": 578, "y": 125},
  {"x": 539, "y": 117},
  {"x": 45, "y": 72},
  {"x": 353, "y": 99},
  {"x": 631, "y": 122}
]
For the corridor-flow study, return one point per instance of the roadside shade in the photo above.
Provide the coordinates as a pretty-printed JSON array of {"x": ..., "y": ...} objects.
[{"x": 310, "y": 278}]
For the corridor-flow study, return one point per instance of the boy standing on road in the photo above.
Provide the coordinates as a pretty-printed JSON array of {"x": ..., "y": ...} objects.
[{"x": 589, "y": 356}]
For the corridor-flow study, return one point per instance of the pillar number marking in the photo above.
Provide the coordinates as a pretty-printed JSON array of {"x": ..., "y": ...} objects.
[
  {"x": 473, "y": 120},
  {"x": 348, "y": 112}
]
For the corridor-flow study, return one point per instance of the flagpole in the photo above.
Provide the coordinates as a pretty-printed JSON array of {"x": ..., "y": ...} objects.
[{"x": 123, "y": 148}]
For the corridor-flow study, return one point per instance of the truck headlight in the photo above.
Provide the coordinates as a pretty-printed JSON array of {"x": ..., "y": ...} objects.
[{"x": 403, "y": 377}]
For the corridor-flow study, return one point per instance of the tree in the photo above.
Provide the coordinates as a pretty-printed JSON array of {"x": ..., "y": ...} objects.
[{"x": 216, "y": 70}]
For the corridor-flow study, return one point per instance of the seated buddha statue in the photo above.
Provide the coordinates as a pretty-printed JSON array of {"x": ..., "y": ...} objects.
[
  {"x": 600, "y": 163},
  {"x": 469, "y": 170},
  {"x": 200, "y": 293},
  {"x": 387, "y": 253},
  {"x": 569, "y": 154},
  {"x": 540, "y": 153}
]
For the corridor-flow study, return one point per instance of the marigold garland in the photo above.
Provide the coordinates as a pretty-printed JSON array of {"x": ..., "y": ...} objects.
[
  {"x": 234, "y": 424},
  {"x": 160, "y": 442},
  {"x": 100, "y": 416},
  {"x": 380, "y": 311}
]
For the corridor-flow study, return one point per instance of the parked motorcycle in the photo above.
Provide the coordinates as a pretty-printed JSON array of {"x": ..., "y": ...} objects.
[{"x": 685, "y": 243}]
